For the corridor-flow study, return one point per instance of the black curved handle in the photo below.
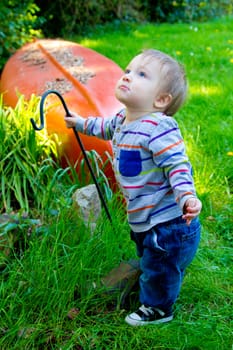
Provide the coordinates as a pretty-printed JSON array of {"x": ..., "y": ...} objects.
[
  {"x": 43, "y": 97},
  {"x": 35, "y": 127}
]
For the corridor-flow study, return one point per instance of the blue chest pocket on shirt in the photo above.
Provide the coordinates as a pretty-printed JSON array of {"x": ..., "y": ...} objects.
[{"x": 130, "y": 163}]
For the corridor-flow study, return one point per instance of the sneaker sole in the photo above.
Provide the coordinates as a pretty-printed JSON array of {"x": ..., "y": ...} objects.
[{"x": 133, "y": 322}]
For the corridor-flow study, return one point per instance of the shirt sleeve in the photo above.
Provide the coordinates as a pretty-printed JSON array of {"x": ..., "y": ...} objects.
[
  {"x": 102, "y": 128},
  {"x": 167, "y": 146}
]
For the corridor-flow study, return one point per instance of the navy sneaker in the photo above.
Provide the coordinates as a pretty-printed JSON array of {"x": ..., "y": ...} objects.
[{"x": 148, "y": 315}]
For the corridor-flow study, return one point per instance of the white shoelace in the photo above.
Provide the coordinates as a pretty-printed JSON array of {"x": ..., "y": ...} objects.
[{"x": 149, "y": 311}]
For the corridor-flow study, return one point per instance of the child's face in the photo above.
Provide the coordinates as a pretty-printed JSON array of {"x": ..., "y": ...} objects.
[{"x": 138, "y": 88}]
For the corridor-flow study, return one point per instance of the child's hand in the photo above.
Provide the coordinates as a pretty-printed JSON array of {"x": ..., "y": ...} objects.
[
  {"x": 72, "y": 120},
  {"x": 192, "y": 208}
]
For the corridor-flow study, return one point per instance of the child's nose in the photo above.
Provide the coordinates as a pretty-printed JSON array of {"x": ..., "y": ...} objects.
[{"x": 126, "y": 77}]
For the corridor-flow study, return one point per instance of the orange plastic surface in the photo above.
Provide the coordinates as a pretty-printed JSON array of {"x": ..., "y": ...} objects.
[{"x": 85, "y": 79}]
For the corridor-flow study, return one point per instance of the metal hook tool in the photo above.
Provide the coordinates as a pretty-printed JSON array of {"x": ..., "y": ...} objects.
[{"x": 43, "y": 97}]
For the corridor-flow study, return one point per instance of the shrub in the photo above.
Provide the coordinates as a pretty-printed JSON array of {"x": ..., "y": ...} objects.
[
  {"x": 185, "y": 10},
  {"x": 19, "y": 24},
  {"x": 65, "y": 18}
]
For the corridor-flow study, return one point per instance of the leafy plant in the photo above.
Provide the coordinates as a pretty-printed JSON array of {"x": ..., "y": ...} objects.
[
  {"x": 23, "y": 153},
  {"x": 31, "y": 174},
  {"x": 19, "y": 24},
  {"x": 185, "y": 10}
]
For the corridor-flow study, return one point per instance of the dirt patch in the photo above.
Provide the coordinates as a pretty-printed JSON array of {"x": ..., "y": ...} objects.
[{"x": 65, "y": 59}]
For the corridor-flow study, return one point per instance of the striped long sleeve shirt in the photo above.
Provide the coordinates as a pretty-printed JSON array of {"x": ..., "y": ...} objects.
[{"x": 150, "y": 165}]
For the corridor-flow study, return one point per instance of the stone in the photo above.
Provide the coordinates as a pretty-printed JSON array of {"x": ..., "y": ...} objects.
[{"x": 87, "y": 202}]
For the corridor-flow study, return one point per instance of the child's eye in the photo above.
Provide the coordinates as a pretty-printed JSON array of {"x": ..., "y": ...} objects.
[
  {"x": 142, "y": 74},
  {"x": 127, "y": 71}
]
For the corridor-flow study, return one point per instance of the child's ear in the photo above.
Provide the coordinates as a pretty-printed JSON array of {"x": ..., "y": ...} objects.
[{"x": 163, "y": 100}]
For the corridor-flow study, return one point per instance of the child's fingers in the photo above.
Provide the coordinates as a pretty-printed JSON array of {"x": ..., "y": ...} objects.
[{"x": 191, "y": 210}]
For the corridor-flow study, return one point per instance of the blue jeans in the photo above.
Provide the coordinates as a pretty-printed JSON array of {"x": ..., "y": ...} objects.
[{"x": 165, "y": 250}]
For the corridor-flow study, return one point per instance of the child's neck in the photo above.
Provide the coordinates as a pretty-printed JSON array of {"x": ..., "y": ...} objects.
[{"x": 131, "y": 115}]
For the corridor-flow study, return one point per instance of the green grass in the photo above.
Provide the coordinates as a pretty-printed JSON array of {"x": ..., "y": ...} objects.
[{"x": 59, "y": 264}]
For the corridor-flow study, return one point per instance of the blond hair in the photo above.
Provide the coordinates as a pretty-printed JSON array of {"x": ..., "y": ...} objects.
[{"x": 173, "y": 79}]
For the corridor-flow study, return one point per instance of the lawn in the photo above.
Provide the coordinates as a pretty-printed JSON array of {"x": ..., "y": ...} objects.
[{"x": 60, "y": 264}]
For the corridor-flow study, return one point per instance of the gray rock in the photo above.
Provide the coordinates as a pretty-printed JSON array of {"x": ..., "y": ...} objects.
[{"x": 87, "y": 202}]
